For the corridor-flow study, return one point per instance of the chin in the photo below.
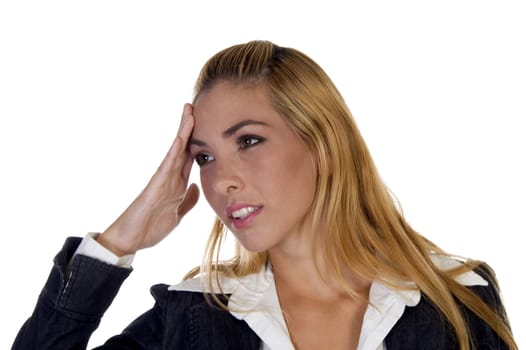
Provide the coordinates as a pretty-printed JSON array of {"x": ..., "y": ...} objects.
[
  {"x": 255, "y": 240},
  {"x": 254, "y": 247}
]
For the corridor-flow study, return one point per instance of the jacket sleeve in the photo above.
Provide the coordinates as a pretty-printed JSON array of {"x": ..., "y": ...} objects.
[
  {"x": 72, "y": 302},
  {"x": 148, "y": 332}
]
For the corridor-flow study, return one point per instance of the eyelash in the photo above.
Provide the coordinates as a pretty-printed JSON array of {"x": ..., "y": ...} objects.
[
  {"x": 199, "y": 159},
  {"x": 244, "y": 142}
]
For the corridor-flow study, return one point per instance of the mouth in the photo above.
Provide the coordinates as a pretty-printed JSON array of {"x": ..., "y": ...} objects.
[
  {"x": 242, "y": 215},
  {"x": 243, "y": 212}
]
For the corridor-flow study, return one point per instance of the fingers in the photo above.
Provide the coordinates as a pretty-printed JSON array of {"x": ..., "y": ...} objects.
[
  {"x": 183, "y": 160},
  {"x": 177, "y": 156},
  {"x": 187, "y": 124},
  {"x": 187, "y": 167}
]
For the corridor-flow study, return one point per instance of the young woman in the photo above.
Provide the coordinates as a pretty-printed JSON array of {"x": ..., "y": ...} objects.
[{"x": 324, "y": 260}]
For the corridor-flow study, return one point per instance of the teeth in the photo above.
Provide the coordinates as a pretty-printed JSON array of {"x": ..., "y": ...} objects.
[{"x": 243, "y": 212}]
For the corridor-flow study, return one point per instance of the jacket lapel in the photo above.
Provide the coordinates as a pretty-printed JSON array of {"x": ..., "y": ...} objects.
[
  {"x": 213, "y": 328},
  {"x": 420, "y": 327}
]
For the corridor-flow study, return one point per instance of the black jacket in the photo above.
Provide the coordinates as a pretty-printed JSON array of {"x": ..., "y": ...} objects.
[{"x": 75, "y": 297}]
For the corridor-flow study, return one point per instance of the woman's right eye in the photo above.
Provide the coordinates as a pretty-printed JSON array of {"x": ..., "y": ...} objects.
[{"x": 203, "y": 158}]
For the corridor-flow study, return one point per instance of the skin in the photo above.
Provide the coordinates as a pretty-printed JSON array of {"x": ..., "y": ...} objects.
[
  {"x": 163, "y": 202},
  {"x": 249, "y": 155},
  {"x": 263, "y": 163}
]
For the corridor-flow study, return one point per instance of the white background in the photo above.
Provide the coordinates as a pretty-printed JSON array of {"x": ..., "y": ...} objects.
[{"x": 91, "y": 93}]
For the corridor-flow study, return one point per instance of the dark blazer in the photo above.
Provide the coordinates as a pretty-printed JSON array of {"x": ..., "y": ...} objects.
[{"x": 75, "y": 297}]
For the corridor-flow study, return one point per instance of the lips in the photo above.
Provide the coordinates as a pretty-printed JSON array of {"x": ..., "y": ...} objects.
[{"x": 242, "y": 214}]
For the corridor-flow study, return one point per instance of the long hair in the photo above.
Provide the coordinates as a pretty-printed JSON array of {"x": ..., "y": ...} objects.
[{"x": 355, "y": 217}]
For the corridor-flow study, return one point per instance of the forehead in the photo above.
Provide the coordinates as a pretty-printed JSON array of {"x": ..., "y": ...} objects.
[{"x": 226, "y": 102}]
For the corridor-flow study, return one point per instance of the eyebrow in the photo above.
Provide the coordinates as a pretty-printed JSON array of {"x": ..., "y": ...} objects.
[{"x": 230, "y": 131}]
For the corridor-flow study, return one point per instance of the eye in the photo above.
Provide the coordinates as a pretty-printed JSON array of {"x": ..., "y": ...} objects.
[
  {"x": 203, "y": 158},
  {"x": 247, "y": 141}
]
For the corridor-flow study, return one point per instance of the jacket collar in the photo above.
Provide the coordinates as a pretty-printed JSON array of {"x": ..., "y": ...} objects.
[{"x": 253, "y": 298}]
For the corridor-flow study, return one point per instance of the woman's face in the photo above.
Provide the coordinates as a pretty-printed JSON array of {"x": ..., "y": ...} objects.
[{"x": 257, "y": 175}]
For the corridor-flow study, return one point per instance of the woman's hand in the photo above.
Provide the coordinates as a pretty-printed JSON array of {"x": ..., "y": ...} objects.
[{"x": 162, "y": 204}]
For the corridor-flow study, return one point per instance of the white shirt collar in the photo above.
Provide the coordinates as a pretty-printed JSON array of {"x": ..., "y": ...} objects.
[
  {"x": 388, "y": 304},
  {"x": 253, "y": 298}
]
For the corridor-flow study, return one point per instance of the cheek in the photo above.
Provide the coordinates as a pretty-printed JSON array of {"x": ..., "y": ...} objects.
[
  {"x": 293, "y": 178},
  {"x": 302, "y": 177}
]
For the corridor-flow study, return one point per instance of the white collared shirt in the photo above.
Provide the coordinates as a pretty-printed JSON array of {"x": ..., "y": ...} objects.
[
  {"x": 257, "y": 294},
  {"x": 254, "y": 299}
]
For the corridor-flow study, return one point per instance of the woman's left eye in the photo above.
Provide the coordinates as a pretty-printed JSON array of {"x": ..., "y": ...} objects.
[{"x": 248, "y": 141}]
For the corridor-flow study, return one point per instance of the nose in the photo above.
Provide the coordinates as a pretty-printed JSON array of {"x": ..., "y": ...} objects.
[{"x": 227, "y": 178}]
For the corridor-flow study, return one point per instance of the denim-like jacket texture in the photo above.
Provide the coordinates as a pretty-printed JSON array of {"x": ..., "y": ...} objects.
[{"x": 72, "y": 303}]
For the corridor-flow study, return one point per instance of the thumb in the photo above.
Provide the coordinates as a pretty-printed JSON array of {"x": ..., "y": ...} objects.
[{"x": 189, "y": 200}]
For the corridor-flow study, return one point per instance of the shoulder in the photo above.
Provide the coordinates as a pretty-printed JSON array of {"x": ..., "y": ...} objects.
[
  {"x": 482, "y": 281},
  {"x": 491, "y": 293},
  {"x": 197, "y": 291},
  {"x": 423, "y": 326},
  {"x": 178, "y": 304},
  {"x": 165, "y": 296},
  {"x": 190, "y": 317}
]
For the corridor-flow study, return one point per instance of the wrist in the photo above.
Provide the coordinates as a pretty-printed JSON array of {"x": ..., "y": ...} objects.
[{"x": 113, "y": 245}]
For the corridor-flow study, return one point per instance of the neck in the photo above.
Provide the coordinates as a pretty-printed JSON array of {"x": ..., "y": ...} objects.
[{"x": 296, "y": 272}]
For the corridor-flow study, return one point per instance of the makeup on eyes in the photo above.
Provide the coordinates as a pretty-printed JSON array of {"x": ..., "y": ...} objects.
[
  {"x": 243, "y": 141},
  {"x": 243, "y": 144},
  {"x": 229, "y": 132},
  {"x": 202, "y": 158}
]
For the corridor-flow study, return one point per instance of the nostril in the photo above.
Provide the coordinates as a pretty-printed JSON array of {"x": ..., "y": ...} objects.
[
  {"x": 225, "y": 176},
  {"x": 227, "y": 185},
  {"x": 231, "y": 188}
]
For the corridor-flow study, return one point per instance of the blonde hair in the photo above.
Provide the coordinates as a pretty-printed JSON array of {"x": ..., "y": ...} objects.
[{"x": 363, "y": 229}]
